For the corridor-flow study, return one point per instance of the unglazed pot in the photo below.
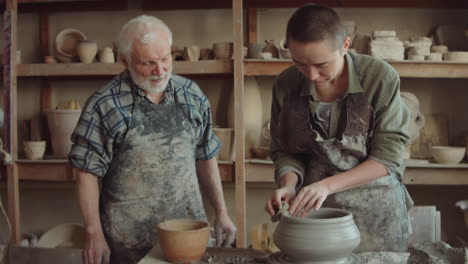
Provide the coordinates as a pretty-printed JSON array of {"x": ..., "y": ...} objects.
[
  {"x": 192, "y": 53},
  {"x": 87, "y": 50},
  {"x": 326, "y": 235},
  {"x": 106, "y": 55},
  {"x": 223, "y": 50},
  {"x": 34, "y": 150}
]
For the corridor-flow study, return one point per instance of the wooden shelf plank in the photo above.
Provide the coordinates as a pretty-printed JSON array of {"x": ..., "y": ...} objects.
[
  {"x": 185, "y": 4},
  {"x": 408, "y": 69},
  {"x": 358, "y": 3},
  {"x": 111, "y": 69},
  {"x": 58, "y": 170},
  {"x": 263, "y": 171}
]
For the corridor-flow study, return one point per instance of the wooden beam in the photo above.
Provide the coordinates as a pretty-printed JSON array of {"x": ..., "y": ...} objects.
[
  {"x": 69, "y": 5},
  {"x": 252, "y": 25},
  {"x": 359, "y": 3},
  {"x": 11, "y": 116},
  {"x": 112, "y": 69},
  {"x": 46, "y": 90},
  {"x": 239, "y": 132},
  {"x": 185, "y": 4},
  {"x": 406, "y": 69}
]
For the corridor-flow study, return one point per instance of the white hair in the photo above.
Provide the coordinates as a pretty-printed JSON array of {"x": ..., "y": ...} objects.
[{"x": 143, "y": 28}]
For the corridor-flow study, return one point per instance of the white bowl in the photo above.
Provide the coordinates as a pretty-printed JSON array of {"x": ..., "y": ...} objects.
[
  {"x": 448, "y": 155},
  {"x": 69, "y": 235}
]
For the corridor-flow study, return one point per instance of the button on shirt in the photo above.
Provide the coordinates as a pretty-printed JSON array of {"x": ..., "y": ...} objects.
[{"x": 107, "y": 114}]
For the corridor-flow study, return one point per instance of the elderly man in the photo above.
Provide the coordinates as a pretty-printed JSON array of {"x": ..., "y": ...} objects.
[
  {"x": 339, "y": 128},
  {"x": 147, "y": 136}
]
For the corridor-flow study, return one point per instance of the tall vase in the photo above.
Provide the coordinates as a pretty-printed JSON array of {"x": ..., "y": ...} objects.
[{"x": 252, "y": 114}]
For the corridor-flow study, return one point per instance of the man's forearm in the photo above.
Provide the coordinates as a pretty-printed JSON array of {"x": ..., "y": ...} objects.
[
  {"x": 210, "y": 181},
  {"x": 88, "y": 199}
]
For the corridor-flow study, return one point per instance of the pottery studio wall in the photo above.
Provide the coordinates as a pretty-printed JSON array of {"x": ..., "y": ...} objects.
[{"x": 44, "y": 205}]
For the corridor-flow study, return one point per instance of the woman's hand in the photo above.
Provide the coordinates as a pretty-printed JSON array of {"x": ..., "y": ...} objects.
[
  {"x": 285, "y": 193},
  {"x": 311, "y": 196}
]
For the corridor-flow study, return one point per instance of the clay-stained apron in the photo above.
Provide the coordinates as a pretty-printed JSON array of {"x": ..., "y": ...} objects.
[
  {"x": 152, "y": 177},
  {"x": 379, "y": 208}
]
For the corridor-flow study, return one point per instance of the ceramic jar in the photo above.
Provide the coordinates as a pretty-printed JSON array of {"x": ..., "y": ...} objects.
[
  {"x": 192, "y": 53},
  {"x": 206, "y": 54},
  {"x": 87, "y": 50},
  {"x": 34, "y": 150},
  {"x": 324, "y": 235},
  {"x": 254, "y": 50},
  {"x": 106, "y": 55},
  {"x": 223, "y": 50},
  {"x": 271, "y": 47}
]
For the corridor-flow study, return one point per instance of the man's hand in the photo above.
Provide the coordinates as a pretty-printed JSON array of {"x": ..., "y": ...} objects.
[
  {"x": 225, "y": 231},
  {"x": 285, "y": 193},
  {"x": 311, "y": 196},
  {"x": 96, "y": 250}
]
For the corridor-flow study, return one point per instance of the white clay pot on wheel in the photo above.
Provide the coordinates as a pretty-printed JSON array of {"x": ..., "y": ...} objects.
[{"x": 324, "y": 235}]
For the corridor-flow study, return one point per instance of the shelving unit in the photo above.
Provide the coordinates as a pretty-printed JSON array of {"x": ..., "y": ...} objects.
[{"x": 240, "y": 171}]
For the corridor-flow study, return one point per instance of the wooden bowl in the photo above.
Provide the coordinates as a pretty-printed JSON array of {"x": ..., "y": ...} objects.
[
  {"x": 448, "y": 155},
  {"x": 183, "y": 240}
]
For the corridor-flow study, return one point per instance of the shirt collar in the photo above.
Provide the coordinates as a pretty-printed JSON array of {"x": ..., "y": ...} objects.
[{"x": 354, "y": 84}]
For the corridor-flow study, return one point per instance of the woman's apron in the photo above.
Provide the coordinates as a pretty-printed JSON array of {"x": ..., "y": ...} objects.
[
  {"x": 379, "y": 207},
  {"x": 152, "y": 177}
]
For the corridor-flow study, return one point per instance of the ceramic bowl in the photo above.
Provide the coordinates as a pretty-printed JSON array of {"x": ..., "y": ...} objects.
[
  {"x": 260, "y": 152},
  {"x": 183, "y": 240},
  {"x": 69, "y": 235},
  {"x": 327, "y": 235},
  {"x": 34, "y": 150},
  {"x": 66, "y": 44},
  {"x": 448, "y": 155}
]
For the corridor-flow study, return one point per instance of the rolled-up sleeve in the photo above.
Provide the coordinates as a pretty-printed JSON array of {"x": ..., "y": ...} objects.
[
  {"x": 284, "y": 162},
  {"x": 208, "y": 146},
  {"x": 391, "y": 125},
  {"x": 90, "y": 150}
]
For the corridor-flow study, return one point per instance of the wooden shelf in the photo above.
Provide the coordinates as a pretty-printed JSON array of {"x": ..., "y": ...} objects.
[
  {"x": 431, "y": 174},
  {"x": 358, "y": 3},
  {"x": 112, "y": 69},
  {"x": 408, "y": 69},
  {"x": 57, "y": 170}
]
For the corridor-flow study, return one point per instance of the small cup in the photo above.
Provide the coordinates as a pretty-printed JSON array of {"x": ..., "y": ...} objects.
[
  {"x": 265, "y": 55},
  {"x": 34, "y": 150},
  {"x": 192, "y": 53}
]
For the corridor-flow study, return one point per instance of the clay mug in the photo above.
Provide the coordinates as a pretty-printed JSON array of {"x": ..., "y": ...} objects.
[
  {"x": 87, "y": 50},
  {"x": 34, "y": 150},
  {"x": 206, "y": 54},
  {"x": 192, "y": 53},
  {"x": 223, "y": 50},
  {"x": 106, "y": 55}
]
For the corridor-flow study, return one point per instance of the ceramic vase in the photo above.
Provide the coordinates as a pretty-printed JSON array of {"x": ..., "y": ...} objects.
[
  {"x": 61, "y": 125},
  {"x": 271, "y": 47},
  {"x": 192, "y": 53},
  {"x": 34, "y": 150},
  {"x": 324, "y": 236},
  {"x": 226, "y": 137},
  {"x": 87, "y": 50},
  {"x": 106, "y": 55},
  {"x": 253, "y": 114}
]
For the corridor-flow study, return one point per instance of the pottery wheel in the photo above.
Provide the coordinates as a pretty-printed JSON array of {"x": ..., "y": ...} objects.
[{"x": 280, "y": 258}]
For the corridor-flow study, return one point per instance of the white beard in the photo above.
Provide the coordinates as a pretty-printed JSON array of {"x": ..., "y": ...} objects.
[{"x": 147, "y": 84}]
